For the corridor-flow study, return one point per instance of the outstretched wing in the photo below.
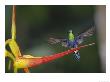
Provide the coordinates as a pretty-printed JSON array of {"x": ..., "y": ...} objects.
[
  {"x": 56, "y": 40},
  {"x": 88, "y": 33},
  {"x": 80, "y": 38}
]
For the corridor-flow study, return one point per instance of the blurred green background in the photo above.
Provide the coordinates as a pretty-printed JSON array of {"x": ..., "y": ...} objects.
[{"x": 35, "y": 24}]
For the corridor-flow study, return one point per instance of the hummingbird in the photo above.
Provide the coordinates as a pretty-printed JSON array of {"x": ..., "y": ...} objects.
[{"x": 73, "y": 41}]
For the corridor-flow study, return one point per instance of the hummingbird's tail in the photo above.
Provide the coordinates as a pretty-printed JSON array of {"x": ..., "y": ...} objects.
[{"x": 77, "y": 56}]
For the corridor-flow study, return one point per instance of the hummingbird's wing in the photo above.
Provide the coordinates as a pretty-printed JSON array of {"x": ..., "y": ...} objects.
[
  {"x": 80, "y": 38},
  {"x": 88, "y": 32},
  {"x": 63, "y": 42}
]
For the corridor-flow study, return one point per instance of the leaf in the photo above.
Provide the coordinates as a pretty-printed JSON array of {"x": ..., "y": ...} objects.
[{"x": 14, "y": 48}]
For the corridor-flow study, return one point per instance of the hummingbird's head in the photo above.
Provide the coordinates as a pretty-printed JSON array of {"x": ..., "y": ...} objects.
[{"x": 70, "y": 31}]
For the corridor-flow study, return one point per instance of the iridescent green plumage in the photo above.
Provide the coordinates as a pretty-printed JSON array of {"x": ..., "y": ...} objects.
[{"x": 71, "y": 36}]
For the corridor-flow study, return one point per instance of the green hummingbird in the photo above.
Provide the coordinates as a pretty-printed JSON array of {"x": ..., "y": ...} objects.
[{"x": 73, "y": 41}]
